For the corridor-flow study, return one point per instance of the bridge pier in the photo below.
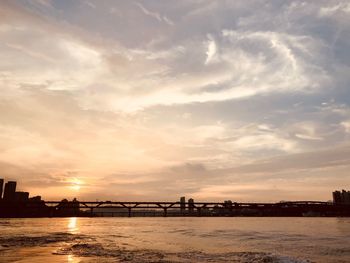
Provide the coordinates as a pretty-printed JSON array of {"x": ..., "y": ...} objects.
[
  {"x": 129, "y": 211},
  {"x": 52, "y": 212}
]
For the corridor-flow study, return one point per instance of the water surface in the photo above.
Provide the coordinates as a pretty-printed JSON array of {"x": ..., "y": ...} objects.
[{"x": 190, "y": 239}]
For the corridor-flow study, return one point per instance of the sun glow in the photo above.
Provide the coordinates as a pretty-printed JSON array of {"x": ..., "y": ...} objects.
[{"x": 75, "y": 184}]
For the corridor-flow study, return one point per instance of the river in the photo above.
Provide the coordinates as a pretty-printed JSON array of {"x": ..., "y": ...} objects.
[{"x": 175, "y": 239}]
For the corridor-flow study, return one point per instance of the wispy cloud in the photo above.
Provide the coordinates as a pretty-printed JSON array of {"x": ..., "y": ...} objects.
[{"x": 155, "y": 15}]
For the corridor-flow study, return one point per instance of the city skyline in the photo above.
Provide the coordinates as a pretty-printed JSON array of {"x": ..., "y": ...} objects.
[
  {"x": 152, "y": 100},
  {"x": 18, "y": 204}
]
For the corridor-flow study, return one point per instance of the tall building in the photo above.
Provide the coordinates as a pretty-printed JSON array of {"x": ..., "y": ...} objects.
[
  {"x": 1, "y": 186},
  {"x": 337, "y": 197},
  {"x": 190, "y": 205},
  {"x": 10, "y": 191},
  {"x": 342, "y": 197},
  {"x": 345, "y": 197},
  {"x": 182, "y": 203}
]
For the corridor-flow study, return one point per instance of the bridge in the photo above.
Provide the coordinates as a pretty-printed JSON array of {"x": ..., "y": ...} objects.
[
  {"x": 41, "y": 208},
  {"x": 202, "y": 208}
]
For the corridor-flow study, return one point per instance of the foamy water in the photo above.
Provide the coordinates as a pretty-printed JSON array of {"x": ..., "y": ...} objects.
[{"x": 225, "y": 239}]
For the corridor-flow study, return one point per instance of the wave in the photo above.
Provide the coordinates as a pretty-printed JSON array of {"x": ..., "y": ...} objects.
[
  {"x": 25, "y": 241},
  {"x": 145, "y": 255},
  {"x": 120, "y": 253},
  {"x": 243, "y": 257}
]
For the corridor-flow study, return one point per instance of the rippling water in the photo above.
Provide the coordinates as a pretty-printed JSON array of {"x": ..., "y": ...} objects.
[{"x": 224, "y": 239}]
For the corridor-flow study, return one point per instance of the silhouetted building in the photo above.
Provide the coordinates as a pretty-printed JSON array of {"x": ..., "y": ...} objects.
[
  {"x": 345, "y": 197},
  {"x": 1, "y": 187},
  {"x": 21, "y": 196},
  {"x": 35, "y": 198},
  {"x": 190, "y": 205},
  {"x": 337, "y": 197},
  {"x": 182, "y": 203},
  {"x": 342, "y": 197},
  {"x": 10, "y": 191}
]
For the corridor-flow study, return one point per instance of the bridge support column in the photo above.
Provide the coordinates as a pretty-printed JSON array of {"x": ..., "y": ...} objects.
[
  {"x": 165, "y": 211},
  {"x": 91, "y": 211},
  {"x": 51, "y": 211},
  {"x": 129, "y": 211}
]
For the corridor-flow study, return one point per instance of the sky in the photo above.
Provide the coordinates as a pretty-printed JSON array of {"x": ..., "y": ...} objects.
[{"x": 153, "y": 100}]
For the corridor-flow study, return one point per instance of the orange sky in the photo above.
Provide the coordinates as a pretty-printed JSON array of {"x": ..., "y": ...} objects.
[{"x": 148, "y": 100}]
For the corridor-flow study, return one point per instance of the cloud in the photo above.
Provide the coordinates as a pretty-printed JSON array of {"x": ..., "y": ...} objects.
[
  {"x": 306, "y": 161},
  {"x": 331, "y": 10},
  {"x": 201, "y": 98},
  {"x": 249, "y": 63},
  {"x": 90, "y": 4},
  {"x": 211, "y": 50},
  {"x": 155, "y": 15},
  {"x": 346, "y": 125}
]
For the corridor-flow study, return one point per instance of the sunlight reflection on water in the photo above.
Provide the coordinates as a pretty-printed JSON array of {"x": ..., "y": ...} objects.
[
  {"x": 72, "y": 225},
  {"x": 70, "y": 258}
]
